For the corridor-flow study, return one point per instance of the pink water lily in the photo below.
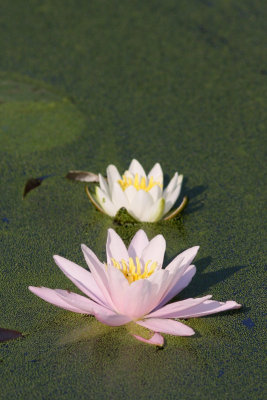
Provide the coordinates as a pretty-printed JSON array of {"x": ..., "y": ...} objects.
[{"x": 132, "y": 286}]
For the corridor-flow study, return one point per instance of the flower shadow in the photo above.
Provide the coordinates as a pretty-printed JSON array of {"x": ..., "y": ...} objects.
[{"x": 207, "y": 280}]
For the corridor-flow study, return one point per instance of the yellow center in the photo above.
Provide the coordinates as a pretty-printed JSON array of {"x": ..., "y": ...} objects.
[
  {"x": 134, "y": 271},
  {"x": 138, "y": 183}
]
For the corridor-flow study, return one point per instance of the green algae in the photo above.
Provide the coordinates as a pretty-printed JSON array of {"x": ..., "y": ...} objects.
[{"x": 178, "y": 83}]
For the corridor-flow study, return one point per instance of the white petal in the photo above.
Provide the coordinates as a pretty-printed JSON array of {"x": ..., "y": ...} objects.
[
  {"x": 130, "y": 193},
  {"x": 156, "y": 211},
  {"x": 115, "y": 248},
  {"x": 118, "y": 196},
  {"x": 105, "y": 202},
  {"x": 104, "y": 185},
  {"x": 136, "y": 168},
  {"x": 155, "y": 250},
  {"x": 157, "y": 173},
  {"x": 155, "y": 192},
  {"x": 170, "y": 198},
  {"x": 167, "y": 326},
  {"x": 140, "y": 205},
  {"x": 172, "y": 184},
  {"x": 138, "y": 243},
  {"x": 112, "y": 176}
]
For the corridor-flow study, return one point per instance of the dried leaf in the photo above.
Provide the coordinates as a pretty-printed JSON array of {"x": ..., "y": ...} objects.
[
  {"x": 33, "y": 183},
  {"x": 8, "y": 334},
  {"x": 82, "y": 176},
  {"x": 178, "y": 210}
]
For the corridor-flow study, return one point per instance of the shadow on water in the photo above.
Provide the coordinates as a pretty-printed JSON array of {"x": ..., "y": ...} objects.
[
  {"x": 202, "y": 282},
  {"x": 195, "y": 196}
]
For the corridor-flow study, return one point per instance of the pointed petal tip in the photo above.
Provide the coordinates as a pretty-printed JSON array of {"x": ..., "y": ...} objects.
[{"x": 156, "y": 339}]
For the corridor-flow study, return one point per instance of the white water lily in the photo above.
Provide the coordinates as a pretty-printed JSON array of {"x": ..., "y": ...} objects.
[{"x": 142, "y": 195}]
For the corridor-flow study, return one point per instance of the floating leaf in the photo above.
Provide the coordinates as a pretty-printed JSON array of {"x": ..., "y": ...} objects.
[
  {"x": 33, "y": 183},
  {"x": 8, "y": 334},
  {"x": 82, "y": 176},
  {"x": 178, "y": 210}
]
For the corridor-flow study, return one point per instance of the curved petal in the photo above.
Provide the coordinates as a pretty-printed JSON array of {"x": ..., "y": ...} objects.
[
  {"x": 51, "y": 296},
  {"x": 136, "y": 168},
  {"x": 167, "y": 326},
  {"x": 174, "y": 309},
  {"x": 171, "y": 198},
  {"x": 119, "y": 198},
  {"x": 140, "y": 205},
  {"x": 155, "y": 250},
  {"x": 156, "y": 211},
  {"x": 156, "y": 339},
  {"x": 155, "y": 193},
  {"x": 112, "y": 176},
  {"x": 184, "y": 258},
  {"x": 115, "y": 247},
  {"x": 138, "y": 243},
  {"x": 183, "y": 281},
  {"x": 81, "y": 278},
  {"x": 208, "y": 307},
  {"x": 105, "y": 202},
  {"x": 130, "y": 193},
  {"x": 104, "y": 185},
  {"x": 99, "y": 273},
  {"x": 157, "y": 173},
  {"x": 111, "y": 318},
  {"x": 172, "y": 185}
]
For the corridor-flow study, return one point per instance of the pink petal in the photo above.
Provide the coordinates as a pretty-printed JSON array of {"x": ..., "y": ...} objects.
[
  {"x": 167, "y": 326},
  {"x": 206, "y": 308},
  {"x": 81, "y": 278},
  {"x": 115, "y": 248},
  {"x": 156, "y": 339},
  {"x": 51, "y": 296},
  {"x": 99, "y": 274},
  {"x": 136, "y": 168},
  {"x": 138, "y": 243},
  {"x": 182, "y": 281},
  {"x": 184, "y": 258},
  {"x": 174, "y": 310},
  {"x": 155, "y": 250},
  {"x": 111, "y": 318}
]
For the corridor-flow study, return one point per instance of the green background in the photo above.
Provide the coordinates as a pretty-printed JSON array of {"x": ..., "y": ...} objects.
[{"x": 87, "y": 83}]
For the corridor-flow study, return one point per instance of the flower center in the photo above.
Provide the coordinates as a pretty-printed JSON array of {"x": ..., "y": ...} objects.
[
  {"x": 134, "y": 271},
  {"x": 138, "y": 183}
]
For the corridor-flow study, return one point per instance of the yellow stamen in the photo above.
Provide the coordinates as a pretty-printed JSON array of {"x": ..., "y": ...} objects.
[
  {"x": 139, "y": 184},
  {"x": 133, "y": 271}
]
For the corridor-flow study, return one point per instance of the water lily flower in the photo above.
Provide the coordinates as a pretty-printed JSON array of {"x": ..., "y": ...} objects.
[
  {"x": 142, "y": 195},
  {"x": 132, "y": 287}
]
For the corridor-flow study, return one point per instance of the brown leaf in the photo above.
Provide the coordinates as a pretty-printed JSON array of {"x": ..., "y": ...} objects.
[
  {"x": 82, "y": 176},
  {"x": 33, "y": 183},
  {"x": 8, "y": 334}
]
